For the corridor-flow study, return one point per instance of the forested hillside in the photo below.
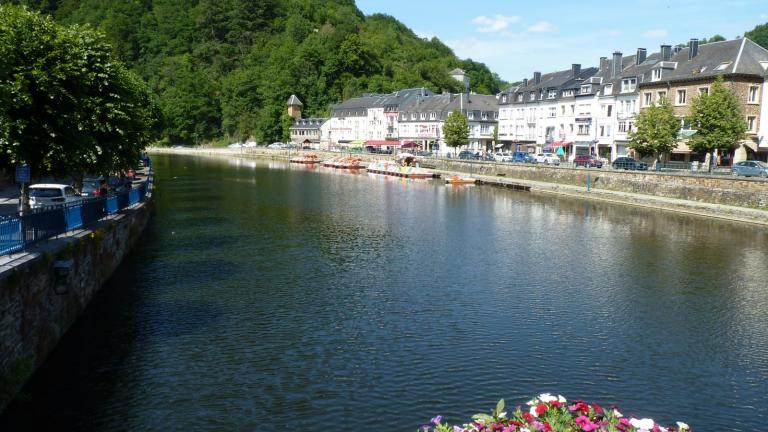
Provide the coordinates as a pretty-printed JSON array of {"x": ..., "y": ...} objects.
[{"x": 227, "y": 67}]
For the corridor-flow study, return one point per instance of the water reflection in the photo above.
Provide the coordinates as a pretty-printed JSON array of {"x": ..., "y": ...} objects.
[{"x": 272, "y": 296}]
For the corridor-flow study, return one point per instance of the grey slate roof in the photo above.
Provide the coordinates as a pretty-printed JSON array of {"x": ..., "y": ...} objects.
[
  {"x": 444, "y": 104},
  {"x": 743, "y": 57},
  {"x": 293, "y": 100},
  {"x": 309, "y": 123},
  {"x": 359, "y": 105}
]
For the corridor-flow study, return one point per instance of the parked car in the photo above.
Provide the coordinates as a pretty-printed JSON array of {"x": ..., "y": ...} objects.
[
  {"x": 750, "y": 168},
  {"x": 52, "y": 194},
  {"x": 524, "y": 157},
  {"x": 250, "y": 144},
  {"x": 276, "y": 145},
  {"x": 628, "y": 163},
  {"x": 466, "y": 154},
  {"x": 502, "y": 157},
  {"x": 91, "y": 187},
  {"x": 547, "y": 158},
  {"x": 587, "y": 161},
  {"x": 235, "y": 145}
]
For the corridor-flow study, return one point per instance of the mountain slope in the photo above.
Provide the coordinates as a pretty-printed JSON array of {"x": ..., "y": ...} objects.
[{"x": 226, "y": 67}]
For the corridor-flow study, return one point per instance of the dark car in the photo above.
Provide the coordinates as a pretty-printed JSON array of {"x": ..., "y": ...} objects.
[
  {"x": 587, "y": 161},
  {"x": 466, "y": 154},
  {"x": 628, "y": 163},
  {"x": 524, "y": 157},
  {"x": 91, "y": 188}
]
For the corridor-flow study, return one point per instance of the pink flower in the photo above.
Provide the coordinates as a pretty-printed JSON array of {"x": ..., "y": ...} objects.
[{"x": 585, "y": 423}]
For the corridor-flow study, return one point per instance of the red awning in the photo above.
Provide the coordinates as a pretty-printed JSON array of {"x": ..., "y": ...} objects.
[
  {"x": 410, "y": 144},
  {"x": 558, "y": 144}
]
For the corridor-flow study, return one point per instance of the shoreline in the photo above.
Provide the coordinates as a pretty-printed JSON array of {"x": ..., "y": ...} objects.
[{"x": 695, "y": 208}]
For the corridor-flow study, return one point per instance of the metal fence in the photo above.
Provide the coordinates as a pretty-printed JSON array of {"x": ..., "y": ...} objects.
[{"x": 18, "y": 232}]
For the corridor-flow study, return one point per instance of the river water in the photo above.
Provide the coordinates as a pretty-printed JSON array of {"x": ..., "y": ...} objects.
[{"x": 273, "y": 297}]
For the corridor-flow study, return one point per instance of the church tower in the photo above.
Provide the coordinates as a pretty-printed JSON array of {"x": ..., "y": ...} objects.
[{"x": 294, "y": 107}]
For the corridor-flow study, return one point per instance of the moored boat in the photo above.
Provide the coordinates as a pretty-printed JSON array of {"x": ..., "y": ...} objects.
[
  {"x": 310, "y": 158},
  {"x": 344, "y": 162},
  {"x": 398, "y": 170},
  {"x": 460, "y": 180}
]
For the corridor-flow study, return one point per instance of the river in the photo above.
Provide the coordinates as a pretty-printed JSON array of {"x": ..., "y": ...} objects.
[{"x": 273, "y": 297}]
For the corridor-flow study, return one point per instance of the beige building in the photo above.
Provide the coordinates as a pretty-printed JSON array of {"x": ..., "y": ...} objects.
[{"x": 682, "y": 74}]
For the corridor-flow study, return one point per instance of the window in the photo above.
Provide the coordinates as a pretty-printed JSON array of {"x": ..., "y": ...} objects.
[
  {"x": 495, "y": 116},
  {"x": 567, "y": 93},
  {"x": 423, "y": 116},
  {"x": 541, "y": 94},
  {"x": 751, "y": 123},
  {"x": 553, "y": 111},
  {"x": 484, "y": 115},
  {"x": 532, "y": 96},
  {"x": 602, "y": 131},
  {"x": 413, "y": 116},
  {"x": 661, "y": 95},
  {"x": 562, "y": 109},
  {"x": 583, "y": 130},
  {"x": 681, "y": 97},
  {"x": 504, "y": 99},
  {"x": 471, "y": 115},
  {"x": 648, "y": 99},
  {"x": 552, "y": 94},
  {"x": 608, "y": 113},
  {"x": 622, "y": 126},
  {"x": 432, "y": 116},
  {"x": 752, "y": 94},
  {"x": 571, "y": 127},
  {"x": 628, "y": 85},
  {"x": 656, "y": 74},
  {"x": 723, "y": 66},
  {"x": 573, "y": 109},
  {"x": 586, "y": 89},
  {"x": 703, "y": 91},
  {"x": 608, "y": 89},
  {"x": 519, "y": 97}
]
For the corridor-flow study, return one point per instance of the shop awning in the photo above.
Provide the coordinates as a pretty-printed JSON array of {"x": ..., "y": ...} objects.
[
  {"x": 375, "y": 143},
  {"x": 557, "y": 144}
]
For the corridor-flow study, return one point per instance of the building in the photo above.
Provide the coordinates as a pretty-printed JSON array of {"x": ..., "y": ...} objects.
[
  {"x": 294, "y": 107},
  {"x": 681, "y": 75},
  {"x": 371, "y": 117},
  {"x": 423, "y": 119},
  {"x": 309, "y": 133}
]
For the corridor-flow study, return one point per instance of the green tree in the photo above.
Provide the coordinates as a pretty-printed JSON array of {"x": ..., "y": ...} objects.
[
  {"x": 495, "y": 135},
  {"x": 759, "y": 35},
  {"x": 286, "y": 122},
  {"x": 718, "y": 120},
  {"x": 68, "y": 106},
  {"x": 456, "y": 130},
  {"x": 656, "y": 130}
]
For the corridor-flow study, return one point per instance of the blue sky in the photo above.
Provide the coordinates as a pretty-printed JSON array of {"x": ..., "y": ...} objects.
[{"x": 516, "y": 38}]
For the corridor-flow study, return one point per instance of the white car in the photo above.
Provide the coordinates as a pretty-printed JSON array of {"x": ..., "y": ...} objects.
[
  {"x": 250, "y": 144},
  {"x": 235, "y": 145},
  {"x": 276, "y": 145},
  {"x": 502, "y": 157},
  {"x": 547, "y": 158},
  {"x": 52, "y": 194}
]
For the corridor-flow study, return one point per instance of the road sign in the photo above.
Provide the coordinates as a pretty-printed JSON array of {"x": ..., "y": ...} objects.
[{"x": 23, "y": 174}]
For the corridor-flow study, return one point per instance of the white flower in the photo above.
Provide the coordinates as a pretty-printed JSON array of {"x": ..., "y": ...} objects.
[
  {"x": 502, "y": 414},
  {"x": 531, "y": 402},
  {"x": 560, "y": 399},
  {"x": 642, "y": 424},
  {"x": 547, "y": 398},
  {"x": 533, "y": 411},
  {"x": 617, "y": 413},
  {"x": 682, "y": 426}
]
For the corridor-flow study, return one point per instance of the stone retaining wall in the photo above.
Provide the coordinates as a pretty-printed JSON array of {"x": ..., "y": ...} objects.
[{"x": 33, "y": 318}]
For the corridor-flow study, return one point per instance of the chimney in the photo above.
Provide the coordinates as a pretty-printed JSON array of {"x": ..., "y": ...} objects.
[
  {"x": 604, "y": 64},
  {"x": 575, "y": 69},
  {"x": 641, "y": 53},
  {"x": 666, "y": 52},
  {"x": 616, "y": 70},
  {"x": 537, "y": 77},
  {"x": 693, "y": 48},
  {"x": 525, "y": 82}
]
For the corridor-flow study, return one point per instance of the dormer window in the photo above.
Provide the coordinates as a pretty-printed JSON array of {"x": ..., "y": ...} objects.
[
  {"x": 533, "y": 96},
  {"x": 471, "y": 115},
  {"x": 423, "y": 116},
  {"x": 656, "y": 74},
  {"x": 504, "y": 99},
  {"x": 586, "y": 89},
  {"x": 608, "y": 89},
  {"x": 484, "y": 115},
  {"x": 628, "y": 85},
  {"x": 519, "y": 97},
  {"x": 552, "y": 94},
  {"x": 413, "y": 116},
  {"x": 567, "y": 93},
  {"x": 432, "y": 116}
]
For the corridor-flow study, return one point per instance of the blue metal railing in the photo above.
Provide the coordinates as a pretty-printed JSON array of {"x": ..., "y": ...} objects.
[{"x": 18, "y": 232}]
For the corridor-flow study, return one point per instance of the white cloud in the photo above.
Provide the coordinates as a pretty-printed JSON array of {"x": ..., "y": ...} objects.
[
  {"x": 542, "y": 27},
  {"x": 656, "y": 33},
  {"x": 494, "y": 24}
]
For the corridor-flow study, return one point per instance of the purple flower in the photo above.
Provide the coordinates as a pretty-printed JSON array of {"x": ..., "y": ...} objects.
[{"x": 437, "y": 419}]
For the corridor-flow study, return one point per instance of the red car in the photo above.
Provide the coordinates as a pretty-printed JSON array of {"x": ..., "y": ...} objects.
[{"x": 587, "y": 161}]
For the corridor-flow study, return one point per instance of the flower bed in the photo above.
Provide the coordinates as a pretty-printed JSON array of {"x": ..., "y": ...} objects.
[{"x": 549, "y": 413}]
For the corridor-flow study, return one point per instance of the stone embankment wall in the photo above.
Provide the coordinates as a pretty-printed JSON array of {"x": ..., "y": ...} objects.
[
  {"x": 719, "y": 189},
  {"x": 33, "y": 318}
]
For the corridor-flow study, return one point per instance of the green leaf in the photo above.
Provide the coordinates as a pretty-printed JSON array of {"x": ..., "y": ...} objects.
[
  {"x": 500, "y": 407},
  {"x": 483, "y": 418}
]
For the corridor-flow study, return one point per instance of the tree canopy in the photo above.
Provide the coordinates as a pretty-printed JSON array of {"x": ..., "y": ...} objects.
[
  {"x": 656, "y": 130},
  {"x": 67, "y": 106},
  {"x": 759, "y": 35},
  {"x": 456, "y": 130},
  {"x": 717, "y": 118},
  {"x": 227, "y": 67}
]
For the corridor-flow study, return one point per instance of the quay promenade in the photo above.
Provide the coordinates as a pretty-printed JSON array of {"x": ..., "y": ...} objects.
[{"x": 712, "y": 196}]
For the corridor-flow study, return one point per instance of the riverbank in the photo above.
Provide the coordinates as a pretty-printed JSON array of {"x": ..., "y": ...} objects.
[{"x": 734, "y": 199}]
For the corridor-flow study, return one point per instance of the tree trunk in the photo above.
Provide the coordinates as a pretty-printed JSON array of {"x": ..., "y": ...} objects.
[{"x": 711, "y": 159}]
